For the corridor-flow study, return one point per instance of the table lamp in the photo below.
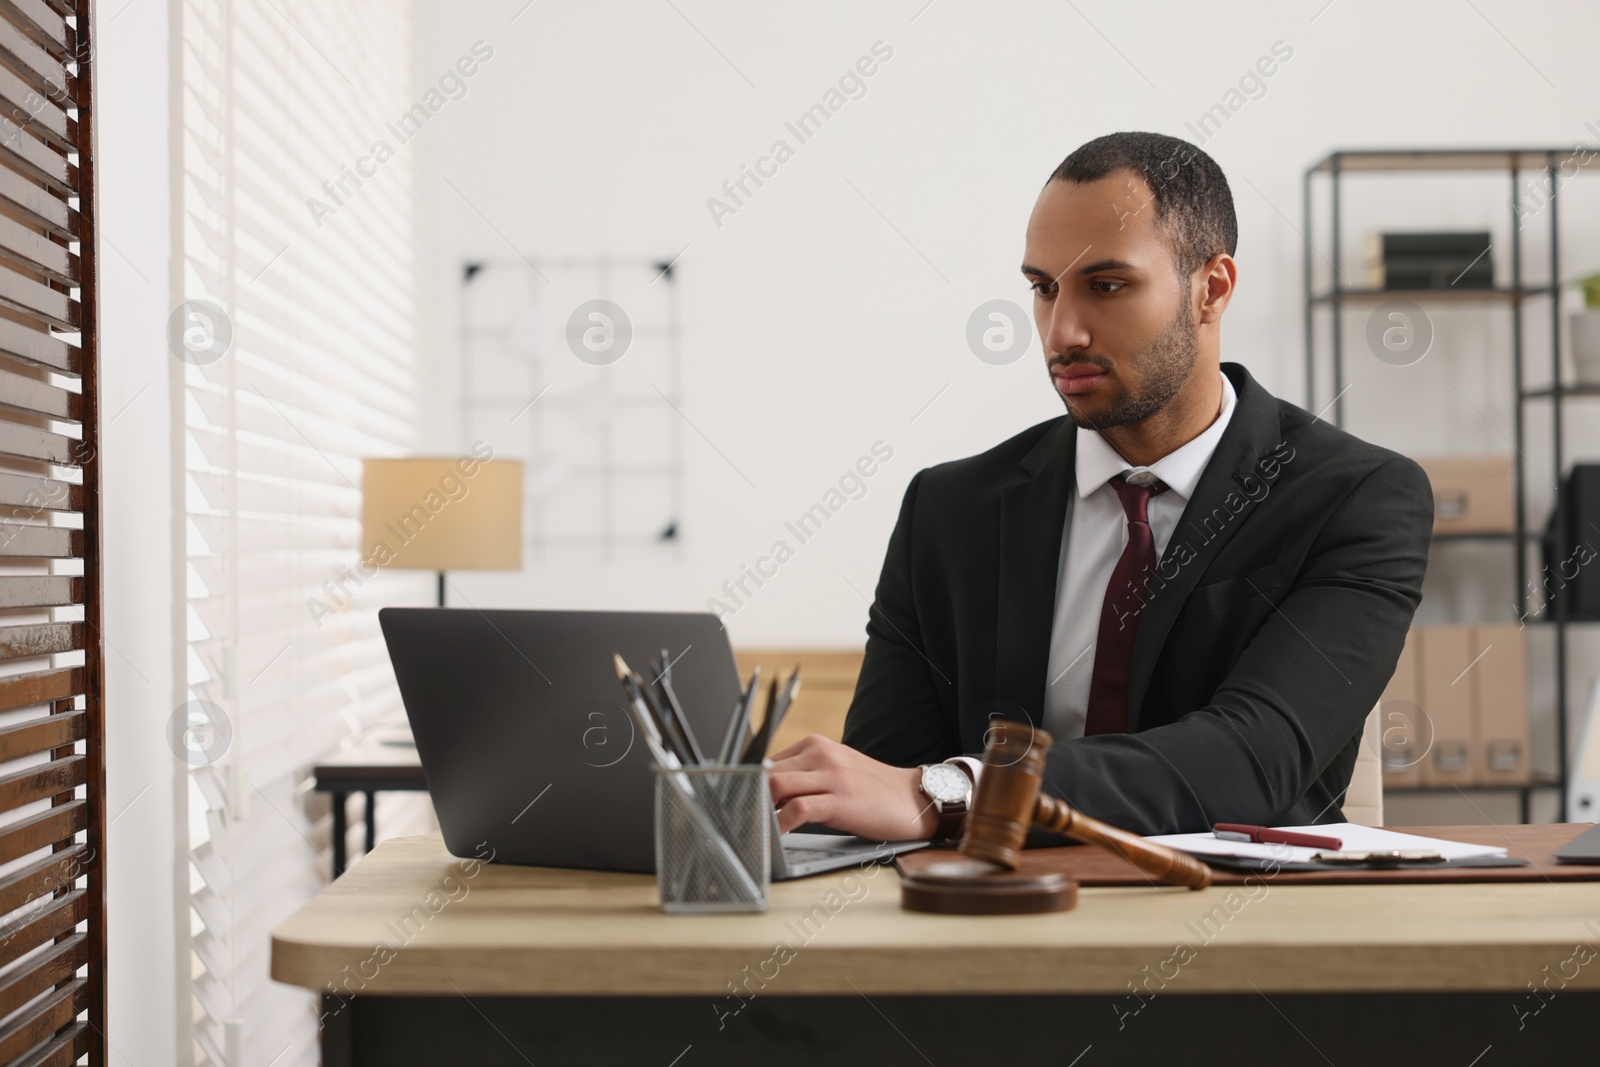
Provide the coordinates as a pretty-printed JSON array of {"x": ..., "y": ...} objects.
[{"x": 442, "y": 514}]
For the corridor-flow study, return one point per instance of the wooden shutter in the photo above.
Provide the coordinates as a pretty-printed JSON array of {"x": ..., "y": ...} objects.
[{"x": 52, "y": 761}]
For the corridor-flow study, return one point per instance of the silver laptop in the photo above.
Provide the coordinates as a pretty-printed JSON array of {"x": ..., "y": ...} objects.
[
  {"x": 527, "y": 745},
  {"x": 806, "y": 853}
]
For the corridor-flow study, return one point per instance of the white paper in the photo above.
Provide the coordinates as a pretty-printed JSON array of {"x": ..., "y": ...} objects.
[{"x": 1356, "y": 838}]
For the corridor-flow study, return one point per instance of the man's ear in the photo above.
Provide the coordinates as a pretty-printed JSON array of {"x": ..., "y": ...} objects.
[{"x": 1216, "y": 281}]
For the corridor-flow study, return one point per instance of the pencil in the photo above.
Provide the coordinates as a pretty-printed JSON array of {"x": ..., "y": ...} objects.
[
  {"x": 739, "y": 720},
  {"x": 679, "y": 719}
]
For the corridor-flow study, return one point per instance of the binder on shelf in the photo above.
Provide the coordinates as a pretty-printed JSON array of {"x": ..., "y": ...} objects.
[
  {"x": 1447, "y": 704},
  {"x": 1403, "y": 735},
  {"x": 1429, "y": 261},
  {"x": 1385, "y": 247},
  {"x": 1500, "y": 683}
]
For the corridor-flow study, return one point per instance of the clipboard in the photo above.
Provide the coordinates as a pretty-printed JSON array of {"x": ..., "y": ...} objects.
[{"x": 1246, "y": 864}]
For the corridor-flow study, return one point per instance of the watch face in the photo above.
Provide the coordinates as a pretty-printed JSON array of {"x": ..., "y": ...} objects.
[{"x": 946, "y": 783}]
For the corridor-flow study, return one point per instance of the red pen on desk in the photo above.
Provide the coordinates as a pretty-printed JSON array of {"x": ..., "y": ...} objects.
[{"x": 1237, "y": 831}]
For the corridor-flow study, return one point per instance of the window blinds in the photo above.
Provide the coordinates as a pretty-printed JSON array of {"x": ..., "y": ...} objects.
[{"x": 295, "y": 348}]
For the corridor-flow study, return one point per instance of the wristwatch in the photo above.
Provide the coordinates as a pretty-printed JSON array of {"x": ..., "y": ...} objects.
[{"x": 950, "y": 790}]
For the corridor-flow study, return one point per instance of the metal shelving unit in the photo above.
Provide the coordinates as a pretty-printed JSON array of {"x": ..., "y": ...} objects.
[{"x": 1515, "y": 163}]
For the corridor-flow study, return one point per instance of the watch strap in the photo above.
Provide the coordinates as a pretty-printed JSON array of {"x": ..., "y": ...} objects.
[
  {"x": 952, "y": 819},
  {"x": 952, "y": 816}
]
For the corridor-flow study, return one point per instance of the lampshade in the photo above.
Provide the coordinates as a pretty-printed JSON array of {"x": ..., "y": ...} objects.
[{"x": 442, "y": 514}]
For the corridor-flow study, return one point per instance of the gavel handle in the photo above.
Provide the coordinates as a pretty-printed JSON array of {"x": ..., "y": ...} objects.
[{"x": 1166, "y": 865}]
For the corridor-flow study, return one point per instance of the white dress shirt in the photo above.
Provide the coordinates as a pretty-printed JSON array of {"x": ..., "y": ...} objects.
[{"x": 1092, "y": 540}]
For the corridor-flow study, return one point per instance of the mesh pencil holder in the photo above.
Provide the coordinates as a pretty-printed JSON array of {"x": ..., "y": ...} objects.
[{"x": 713, "y": 837}]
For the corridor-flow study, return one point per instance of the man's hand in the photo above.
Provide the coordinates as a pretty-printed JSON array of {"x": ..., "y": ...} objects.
[{"x": 816, "y": 780}]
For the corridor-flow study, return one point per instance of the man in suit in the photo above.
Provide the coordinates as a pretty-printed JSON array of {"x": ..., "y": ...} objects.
[{"x": 1198, "y": 589}]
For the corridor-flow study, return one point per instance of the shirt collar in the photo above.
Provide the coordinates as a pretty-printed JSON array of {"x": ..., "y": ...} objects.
[{"x": 1097, "y": 462}]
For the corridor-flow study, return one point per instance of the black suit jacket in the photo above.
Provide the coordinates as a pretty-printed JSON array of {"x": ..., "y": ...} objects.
[{"x": 1275, "y": 618}]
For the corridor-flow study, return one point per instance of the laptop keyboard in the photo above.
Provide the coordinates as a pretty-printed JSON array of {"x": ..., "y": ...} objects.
[{"x": 811, "y": 855}]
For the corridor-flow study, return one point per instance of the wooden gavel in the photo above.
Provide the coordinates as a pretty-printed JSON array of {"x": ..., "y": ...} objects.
[{"x": 1009, "y": 800}]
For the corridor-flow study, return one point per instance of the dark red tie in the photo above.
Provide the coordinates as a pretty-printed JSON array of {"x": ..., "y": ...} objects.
[{"x": 1129, "y": 589}]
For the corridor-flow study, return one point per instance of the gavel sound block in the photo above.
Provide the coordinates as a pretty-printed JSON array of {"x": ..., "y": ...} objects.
[{"x": 1008, "y": 801}]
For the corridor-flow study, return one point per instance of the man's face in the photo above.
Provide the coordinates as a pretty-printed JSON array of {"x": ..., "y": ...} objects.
[{"x": 1116, "y": 321}]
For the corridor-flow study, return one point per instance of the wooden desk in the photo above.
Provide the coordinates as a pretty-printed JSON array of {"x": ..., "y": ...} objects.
[{"x": 439, "y": 960}]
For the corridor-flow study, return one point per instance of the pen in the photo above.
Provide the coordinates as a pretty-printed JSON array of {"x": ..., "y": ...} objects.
[{"x": 1235, "y": 831}]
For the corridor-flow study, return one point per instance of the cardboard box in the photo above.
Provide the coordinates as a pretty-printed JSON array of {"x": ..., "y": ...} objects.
[
  {"x": 1500, "y": 684},
  {"x": 1471, "y": 494},
  {"x": 1447, "y": 704},
  {"x": 1400, "y": 725}
]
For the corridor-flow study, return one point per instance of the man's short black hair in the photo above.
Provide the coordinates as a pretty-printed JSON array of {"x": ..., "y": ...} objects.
[{"x": 1193, "y": 203}]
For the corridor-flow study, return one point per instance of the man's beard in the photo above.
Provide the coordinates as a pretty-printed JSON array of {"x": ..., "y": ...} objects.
[{"x": 1165, "y": 364}]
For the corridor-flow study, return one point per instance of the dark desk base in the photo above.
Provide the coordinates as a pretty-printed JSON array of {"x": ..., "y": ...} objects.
[
  {"x": 1233, "y": 1029},
  {"x": 341, "y": 828}
]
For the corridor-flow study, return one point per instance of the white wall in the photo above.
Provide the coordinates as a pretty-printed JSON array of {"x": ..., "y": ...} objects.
[
  {"x": 131, "y": 92},
  {"x": 815, "y": 327}
]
